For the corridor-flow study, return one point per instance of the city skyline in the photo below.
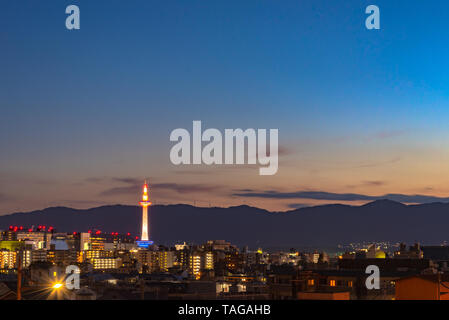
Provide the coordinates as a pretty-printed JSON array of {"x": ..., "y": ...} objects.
[{"x": 42, "y": 262}]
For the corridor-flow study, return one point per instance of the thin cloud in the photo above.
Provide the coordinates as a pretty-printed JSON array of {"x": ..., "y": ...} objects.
[
  {"x": 95, "y": 179},
  {"x": 187, "y": 188},
  {"x": 130, "y": 185},
  {"x": 374, "y": 183},
  {"x": 134, "y": 187},
  {"x": 321, "y": 195},
  {"x": 119, "y": 191},
  {"x": 134, "y": 181},
  {"x": 389, "y": 134},
  {"x": 124, "y": 180},
  {"x": 376, "y": 164},
  {"x": 244, "y": 190},
  {"x": 297, "y": 205}
]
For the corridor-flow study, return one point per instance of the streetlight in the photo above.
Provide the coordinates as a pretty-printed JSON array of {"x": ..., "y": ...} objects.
[{"x": 57, "y": 285}]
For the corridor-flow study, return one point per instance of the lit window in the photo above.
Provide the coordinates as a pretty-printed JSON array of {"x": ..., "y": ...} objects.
[
  {"x": 349, "y": 283},
  {"x": 310, "y": 282},
  {"x": 332, "y": 283}
]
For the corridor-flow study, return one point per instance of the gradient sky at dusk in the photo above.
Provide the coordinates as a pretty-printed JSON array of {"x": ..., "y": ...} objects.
[{"x": 85, "y": 116}]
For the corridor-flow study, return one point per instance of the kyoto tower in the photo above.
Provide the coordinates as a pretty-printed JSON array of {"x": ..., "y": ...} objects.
[
  {"x": 145, "y": 204},
  {"x": 144, "y": 240}
]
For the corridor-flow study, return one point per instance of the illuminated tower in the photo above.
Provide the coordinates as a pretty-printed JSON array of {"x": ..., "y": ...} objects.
[
  {"x": 145, "y": 239},
  {"x": 145, "y": 204}
]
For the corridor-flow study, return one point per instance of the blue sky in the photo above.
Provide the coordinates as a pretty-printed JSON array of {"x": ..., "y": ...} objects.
[{"x": 102, "y": 101}]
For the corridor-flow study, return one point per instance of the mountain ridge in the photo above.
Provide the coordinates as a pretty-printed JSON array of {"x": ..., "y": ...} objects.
[{"x": 332, "y": 224}]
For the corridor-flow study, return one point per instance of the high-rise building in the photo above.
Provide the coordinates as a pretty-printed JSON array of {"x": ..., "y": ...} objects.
[
  {"x": 61, "y": 257},
  {"x": 182, "y": 258},
  {"x": 195, "y": 264},
  {"x": 106, "y": 263},
  {"x": 165, "y": 260},
  {"x": 8, "y": 259},
  {"x": 40, "y": 239},
  {"x": 97, "y": 241},
  {"x": 209, "y": 261},
  {"x": 89, "y": 255},
  {"x": 39, "y": 255},
  {"x": 84, "y": 241}
]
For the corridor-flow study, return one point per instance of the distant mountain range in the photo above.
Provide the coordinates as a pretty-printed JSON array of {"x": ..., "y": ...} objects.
[{"x": 243, "y": 225}]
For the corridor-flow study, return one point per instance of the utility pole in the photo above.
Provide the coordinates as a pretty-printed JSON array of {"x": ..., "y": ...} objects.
[{"x": 19, "y": 276}]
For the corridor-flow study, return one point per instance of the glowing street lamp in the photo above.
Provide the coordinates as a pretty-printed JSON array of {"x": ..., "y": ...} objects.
[{"x": 57, "y": 285}]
